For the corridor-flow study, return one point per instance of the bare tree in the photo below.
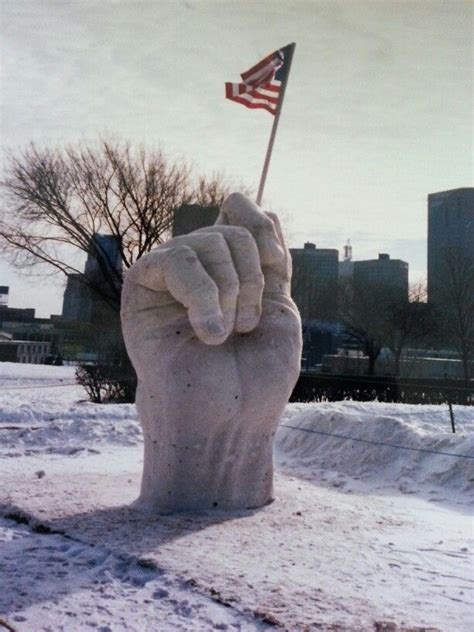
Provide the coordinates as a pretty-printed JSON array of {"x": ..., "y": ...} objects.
[
  {"x": 456, "y": 309},
  {"x": 364, "y": 315},
  {"x": 377, "y": 319},
  {"x": 409, "y": 322},
  {"x": 315, "y": 298},
  {"x": 56, "y": 200}
]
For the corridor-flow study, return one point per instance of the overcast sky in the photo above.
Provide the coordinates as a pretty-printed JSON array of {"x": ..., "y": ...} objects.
[{"x": 378, "y": 111}]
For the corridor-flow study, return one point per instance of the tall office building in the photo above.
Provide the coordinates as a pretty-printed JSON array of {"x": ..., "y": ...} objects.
[
  {"x": 103, "y": 257},
  {"x": 84, "y": 294},
  {"x": 450, "y": 235},
  {"x": 381, "y": 279},
  {"x": 77, "y": 300},
  {"x": 314, "y": 281}
]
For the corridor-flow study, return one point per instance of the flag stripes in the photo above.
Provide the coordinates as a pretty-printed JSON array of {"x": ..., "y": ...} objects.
[{"x": 261, "y": 84}]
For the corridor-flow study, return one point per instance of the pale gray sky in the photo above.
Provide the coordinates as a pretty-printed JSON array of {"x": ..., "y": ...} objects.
[{"x": 378, "y": 112}]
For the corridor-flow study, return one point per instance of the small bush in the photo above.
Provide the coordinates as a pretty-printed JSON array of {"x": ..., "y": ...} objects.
[{"x": 107, "y": 383}]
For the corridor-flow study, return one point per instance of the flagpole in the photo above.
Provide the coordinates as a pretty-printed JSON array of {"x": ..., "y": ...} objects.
[{"x": 275, "y": 126}]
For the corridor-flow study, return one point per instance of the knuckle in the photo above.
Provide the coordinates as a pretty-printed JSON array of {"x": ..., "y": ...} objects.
[
  {"x": 180, "y": 250},
  {"x": 241, "y": 233},
  {"x": 215, "y": 245},
  {"x": 182, "y": 254},
  {"x": 215, "y": 239}
]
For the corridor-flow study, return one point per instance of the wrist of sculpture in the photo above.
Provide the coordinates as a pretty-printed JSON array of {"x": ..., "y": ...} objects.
[{"x": 226, "y": 469}]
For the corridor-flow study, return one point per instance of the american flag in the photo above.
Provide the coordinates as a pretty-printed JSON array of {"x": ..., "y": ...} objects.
[{"x": 261, "y": 85}]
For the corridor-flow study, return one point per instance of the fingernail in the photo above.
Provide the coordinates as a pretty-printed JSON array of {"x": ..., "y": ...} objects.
[{"x": 216, "y": 326}]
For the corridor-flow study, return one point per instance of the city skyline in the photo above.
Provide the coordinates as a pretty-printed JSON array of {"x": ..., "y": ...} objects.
[
  {"x": 378, "y": 112},
  {"x": 342, "y": 258},
  {"x": 454, "y": 213}
]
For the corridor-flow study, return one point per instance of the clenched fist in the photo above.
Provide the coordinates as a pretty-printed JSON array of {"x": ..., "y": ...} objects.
[{"x": 215, "y": 340}]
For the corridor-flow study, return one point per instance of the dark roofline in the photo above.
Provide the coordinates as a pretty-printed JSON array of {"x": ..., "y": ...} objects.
[
  {"x": 451, "y": 191},
  {"x": 380, "y": 260},
  {"x": 310, "y": 251}
]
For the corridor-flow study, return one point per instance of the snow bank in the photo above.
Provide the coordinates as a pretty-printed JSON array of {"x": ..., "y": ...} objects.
[
  {"x": 393, "y": 445},
  {"x": 42, "y": 411},
  {"x": 23, "y": 375},
  {"x": 53, "y": 426}
]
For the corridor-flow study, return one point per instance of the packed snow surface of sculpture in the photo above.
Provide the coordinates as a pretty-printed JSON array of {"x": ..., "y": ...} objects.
[{"x": 215, "y": 340}]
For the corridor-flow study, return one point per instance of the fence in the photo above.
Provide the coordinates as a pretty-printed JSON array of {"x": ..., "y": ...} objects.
[
  {"x": 323, "y": 387},
  {"x": 316, "y": 387}
]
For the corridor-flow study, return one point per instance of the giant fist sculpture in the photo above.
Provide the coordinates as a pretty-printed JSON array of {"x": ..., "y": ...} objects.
[{"x": 215, "y": 340}]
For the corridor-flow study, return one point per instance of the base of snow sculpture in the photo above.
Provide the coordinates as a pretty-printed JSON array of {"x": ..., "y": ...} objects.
[{"x": 215, "y": 340}]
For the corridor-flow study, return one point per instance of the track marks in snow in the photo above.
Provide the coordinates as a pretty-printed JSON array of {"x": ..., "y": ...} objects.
[{"x": 57, "y": 583}]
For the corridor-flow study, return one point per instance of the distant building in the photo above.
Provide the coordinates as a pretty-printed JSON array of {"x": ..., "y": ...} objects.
[
  {"x": 381, "y": 279},
  {"x": 4, "y": 290},
  {"x": 314, "y": 281},
  {"x": 25, "y": 338},
  {"x": 85, "y": 294},
  {"x": 319, "y": 338},
  {"x": 104, "y": 257},
  {"x": 24, "y": 351},
  {"x": 345, "y": 363},
  {"x": 77, "y": 300},
  {"x": 189, "y": 217},
  {"x": 19, "y": 314},
  {"x": 90, "y": 322},
  {"x": 8, "y": 349},
  {"x": 346, "y": 266},
  {"x": 16, "y": 321},
  {"x": 22, "y": 323},
  {"x": 450, "y": 230}
]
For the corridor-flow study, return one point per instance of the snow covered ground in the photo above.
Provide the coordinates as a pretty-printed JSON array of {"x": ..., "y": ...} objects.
[{"x": 362, "y": 535}]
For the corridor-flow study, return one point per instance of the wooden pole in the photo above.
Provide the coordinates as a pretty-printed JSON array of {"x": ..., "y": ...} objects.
[{"x": 275, "y": 125}]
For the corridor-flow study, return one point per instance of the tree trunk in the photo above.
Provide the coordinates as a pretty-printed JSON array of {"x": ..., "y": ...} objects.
[
  {"x": 397, "y": 361},
  {"x": 372, "y": 351}
]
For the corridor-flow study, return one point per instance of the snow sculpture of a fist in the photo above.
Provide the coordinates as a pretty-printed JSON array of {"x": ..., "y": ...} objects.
[{"x": 215, "y": 340}]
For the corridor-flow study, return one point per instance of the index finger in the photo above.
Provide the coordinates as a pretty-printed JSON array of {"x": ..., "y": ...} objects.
[{"x": 239, "y": 210}]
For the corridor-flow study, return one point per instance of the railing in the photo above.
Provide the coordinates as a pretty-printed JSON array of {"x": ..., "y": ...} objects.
[{"x": 326, "y": 387}]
